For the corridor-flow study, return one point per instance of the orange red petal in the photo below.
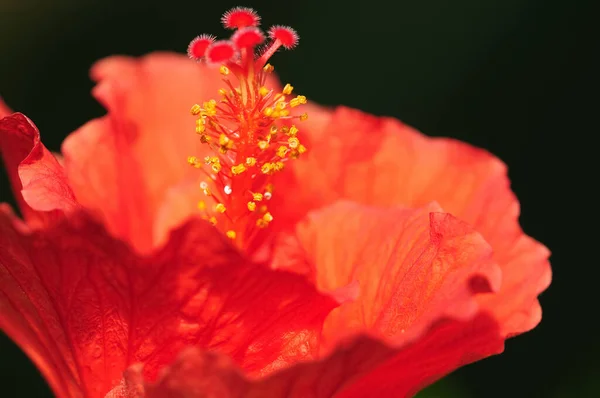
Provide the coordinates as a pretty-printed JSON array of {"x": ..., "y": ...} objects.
[
  {"x": 380, "y": 161},
  {"x": 412, "y": 268},
  {"x": 122, "y": 164}
]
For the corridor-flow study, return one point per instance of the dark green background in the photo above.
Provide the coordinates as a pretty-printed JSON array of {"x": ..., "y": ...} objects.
[{"x": 511, "y": 76}]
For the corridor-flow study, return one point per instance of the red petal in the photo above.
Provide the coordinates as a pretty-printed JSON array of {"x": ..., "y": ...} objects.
[
  {"x": 361, "y": 368},
  {"x": 84, "y": 306},
  {"x": 199, "y": 374},
  {"x": 383, "y": 162},
  {"x": 38, "y": 180},
  {"x": 121, "y": 165}
]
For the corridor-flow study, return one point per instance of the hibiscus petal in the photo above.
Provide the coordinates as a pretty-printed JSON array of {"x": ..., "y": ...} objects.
[
  {"x": 360, "y": 368},
  {"x": 122, "y": 164},
  {"x": 412, "y": 267},
  {"x": 84, "y": 306},
  {"x": 380, "y": 161},
  {"x": 38, "y": 180}
]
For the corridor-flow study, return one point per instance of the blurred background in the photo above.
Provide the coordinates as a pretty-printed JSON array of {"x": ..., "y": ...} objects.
[{"x": 511, "y": 76}]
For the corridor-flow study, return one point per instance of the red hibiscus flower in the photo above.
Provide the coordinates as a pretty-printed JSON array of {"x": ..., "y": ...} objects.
[{"x": 284, "y": 250}]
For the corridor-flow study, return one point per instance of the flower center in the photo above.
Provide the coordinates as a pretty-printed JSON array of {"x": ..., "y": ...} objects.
[{"x": 250, "y": 130}]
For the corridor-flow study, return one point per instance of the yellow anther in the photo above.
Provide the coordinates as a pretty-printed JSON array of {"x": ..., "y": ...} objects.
[
  {"x": 266, "y": 168},
  {"x": 284, "y": 113},
  {"x": 204, "y": 139},
  {"x": 210, "y": 108},
  {"x": 196, "y": 109},
  {"x": 192, "y": 160},
  {"x": 214, "y": 163},
  {"x": 301, "y": 148},
  {"x": 281, "y": 106},
  {"x": 293, "y": 142},
  {"x": 275, "y": 115},
  {"x": 225, "y": 143},
  {"x": 239, "y": 169},
  {"x": 257, "y": 197},
  {"x": 278, "y": 166},
  {"x": 304, "y": 116},
  {"x": 250, "y": 161},
  {"x": 263, "y": 91},
  {"x": 287, "y": 90},
  {"x": 260, "y": 223},
  {"x": 230, "y": 234},
  {"x": 213, "y": 220},
  {"x": 268, "y": 68},
  {"x": 281, "y": 151},
  {"x": 200, "y": 128},
  {"x": 292, "y": 131},
  {"x": 263, "y": 145},
  {"x": 224, "y": 70},
  {"x": 299, "y": 100},
  {"x": 223, "y": 92},
  {"x": 273, "y": 130},
  {"x": 268, "y": 112},
  {"x": 201, "y": 205},
  {"x": 251, "y": 206},
  {"x": 220, "y": 207},
  {"x": 267, "y": 217}
]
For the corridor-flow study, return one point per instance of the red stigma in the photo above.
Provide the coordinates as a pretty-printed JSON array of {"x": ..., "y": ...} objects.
[
  {"x": 198, "y": 46},
  {"x": 247, "y": 37},
  {"x": 220, "y": 52},
  {"x": 286, "y": 35},
  {"x": 240, "y": 17},
  {"x": 238, "y": 52}
]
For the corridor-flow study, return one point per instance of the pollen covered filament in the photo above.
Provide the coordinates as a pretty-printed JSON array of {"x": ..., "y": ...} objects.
[{"x": 251, "y": 130}]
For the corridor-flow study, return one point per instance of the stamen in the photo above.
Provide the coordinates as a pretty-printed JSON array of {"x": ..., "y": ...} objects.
[{"x": 250, "y": 129}]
